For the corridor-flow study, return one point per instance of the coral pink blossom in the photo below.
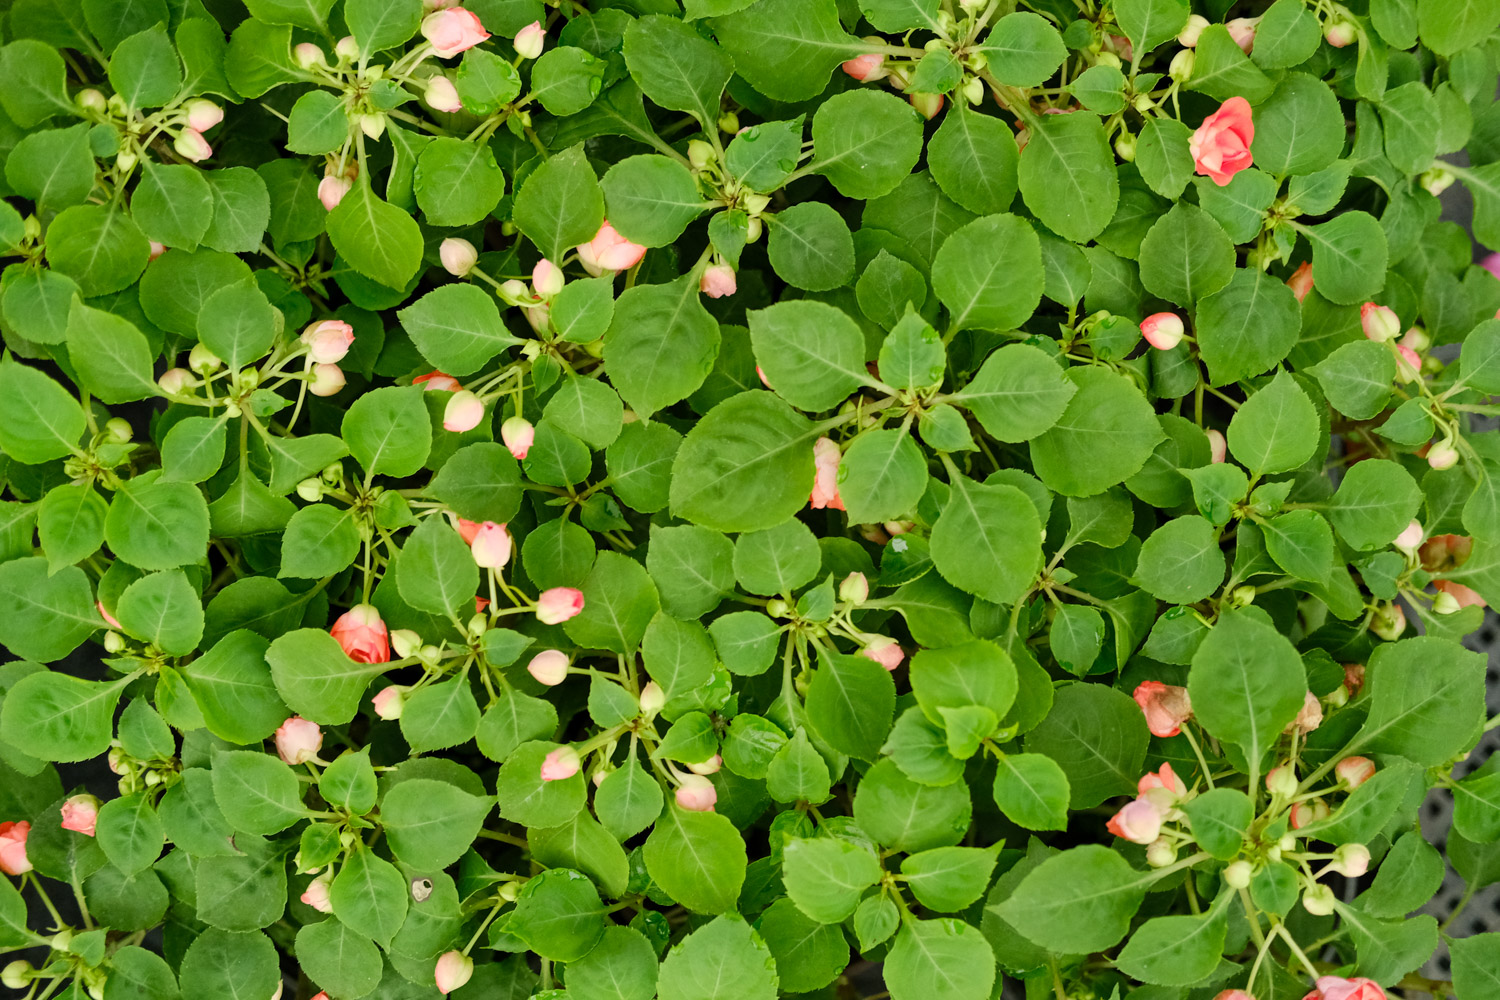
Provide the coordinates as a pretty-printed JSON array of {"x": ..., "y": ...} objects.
[
  {"x": 467, "y": 530},
  {"x": 491, "y": 546},
  {"x": 609, "y": 251},
  {"x": 327, "y": 342},
  {"x": 452, "y": 31},
  {"x": 886, "y": 652},
  {"x": 436, "y": 381},
  {"x": 80, "y": 813},
  {"x": 1355, "y": 771},
  {"x": 362, "y": 634},
  {"x": 1166, "y": 707},
  {"x": 865, "y": 68},
  {"x": 453, "y": 970},
  {"x": 13, "y": 859},
  {"x": 697, "y": 793},
  {"x": 298, "y": 740},
  {"x": 316, "y": 894},
  {"x": 1138, "y": 822},
  {"x": 1163, "y": 331},
  {"x": 561, "y": 764},
  {"x": 1380, "y": 323},
  {"x": 1338, "y": 988},
  {"x": 825, "y": 491},
  {"x": 518, "y": 433},
  {"x": 1301, "y": 281},
  {"x": 1221, "y": 146},
  {"x": 718, "y": 281},
  {"x": 104, "y": 613},
  {"x": 1164, "y": 778},
  {"x": 558, "y": 604}
]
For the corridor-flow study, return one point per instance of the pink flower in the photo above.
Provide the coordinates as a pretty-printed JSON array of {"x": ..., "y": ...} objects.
[
  {"x": 157, "y": 249},
  {"x": 298, "y": 741},
  {"x": 436, "y": 381},
  {"x": 547, "y": 279},
  {"x": 203, "y": 115},
  {"x": 450, "y": 32},
  {"x": 1410, "y": 539},
  {"x": 1442, "y": 456},
  {"x": 1301, "y": 281},
  {"x": 1165, "y": 778},
  {"x": 696, "y": 793},
  {"x": 453, "y": 967},
  {"x": 1408, "y": 364},
  {"x": 558, "y": 604},
  {"x": 1166, "y": 707},
  {"x": 491, "y": 546},
  {"x": 561, "y": 764},
  {"x": 1304, "y": 813},
  {"x": 362, "y": 635},
  {"x": 1354, "y": 771},
  {"x": 104, "y": 613},
  {"x": 518, "y": 433},
  {"x": 1163, "y": 331},
  {"x": 718, "y": 281},
  {"x": 1340, "y": 33},
  {"x": 866, "y": 68},
  {"x": 388, "y": 702},
  {"x": 826, "y": 459},
  {"x": 80, "y": 813},
  {"x": 327, "y": 380},
  {"x": 609, "y": 251},
  {"x": 331, "y": 191},
  {"x": 1242, "y": 30},
  {"x": 1351, "y": 860},
  {"x": 760, "y": 374},
  {"x": 13, "y": 859},
  {"x": 1309, "y": 717},
  {"x": 316, "y": 894},
  {"x": 458, "y": 256},
  {"x": 463, "y": 413},
  {"x": 549, "y": 667},
  {"x": 1221, "y": 146},
  {"x": 885, "y": 651},
  {"x": 1338, "y": 988},
  {"x": 191, "y": 145},
  {"x": 1491, "y": 264},
  {"x": 466, "y": 529},
  {"x": 1138, "y": 822},
  {"x": 327, "y": 342},
  {"x": 530, "y": 40},
  {"x": 1465, "y": 596},
  {"x": 1234, "y": 995},
  {"x": 307, "y": 55},
  {"x": 1218, "y": 448},
  {"x": 1380, "y": 323},
  {"x": 441, "y": 95}
]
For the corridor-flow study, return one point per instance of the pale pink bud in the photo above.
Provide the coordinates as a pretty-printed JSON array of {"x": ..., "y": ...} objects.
[
  {"x": 855, "y": 589},
  {"x": 609, "y": 251},
  {"x": 463, "y": 412},
  {"x": 298, "y": 740},
  {"x": 104, "y": 613},
  {"x": 157, "y": 249},
  {"x": 80, "y": 813},
  {"x": 327, "y": 380},
  {"x": 696, "y": 793},
  {"x": 652, "y": 698},
  {"x": 865, "y": 68},
  {"x": 437, "y": 382},
  {"x": 1340, "y": 33},
  {"x": 518, "y": 433},
  {"x": 549, "y": 667},
  {"x": 316, "y": 894},
  {"x": 1306, "y": 813},
  {"x": 346, "y": 48},
  {"x": 1442, "y": 456},
  {"x": 307, "y": 55},
  {"x": 1338, "y": 988},
  {"x": 362, "y": 635},
  {"x": 1309, "y": 717},
  {"x": 537, "y": 317},
  {"x": 515, "y": 290},
  {"x": 388, "y": 702},
  {"x": 927, "y": 105},
  {"x": 1301, "y": 281},
  {"x": 453, "y": 967},
  {"x": 530, "y": 40},
  {"x": 1282, "y": 781},
  {"x": 1242, "y": 30},
  {"x": 718, "y": 281},
  {"x": 1408, "y": 364},
  {"x": 1351, "y": 860},
  {"x": 203, "y": 115},
  {"x": 331, "y": 191},
  {"x": 546, "y": 279},
  {"x": 176, "y": 380},
  {"x": 707, "y": 767},
  {"x": 1165, "y": 706},
  {"x": 450, "y": 32},
  {"x": 1188, "y": 37},
  {"x": 561, "y": 764},
  {"x": 441, "y": 95},
  {"x": 1410, "y": 539},
  {"x": 1138, "y": 822},
  {"x": 1163, "y": 331},
  {"x": 1218, "y": 448},
  {"x": 826, "y": 459},
  {"x": 13, "y": 860},
  {"x": 328, "y": 341},
  {"x": 1389, "y": 622},
  {"x": 458, "y": 256},
  {"x": 885, "y": 651},
  {"x": 1354, "y": 771},
  {"x": 191, "y": 145},
  {"x": 1379, "y": 322},
  {"x": 491, "y": 546}
]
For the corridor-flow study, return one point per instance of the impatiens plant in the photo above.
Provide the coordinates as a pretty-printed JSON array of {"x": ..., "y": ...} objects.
[{"x": 615, "y": 499}]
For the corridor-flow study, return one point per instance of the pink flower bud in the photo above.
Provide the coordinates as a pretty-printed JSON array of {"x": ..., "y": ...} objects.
[
  {"x": 1309, "y": 717},
  {"x": 316, "y": 894},
  {"x": 362, "y": 635},
  {"x": 707, "y": 767},
  {"x": 467, "y": 529},
  {"x": 550, "y": 666},
  {"x": 203, "y": 115},
  {"x": 1221, "y": 146},
  {"x": 491, "y": 545},
  {"x": 517, "y": 433},
  {"x": 696, "y": 793},
  {"x": 826, "y": 459},
  {"x": 883, "y": 650},
  {"x": 1464, "y": 596},
  {"x": 453, "y": 967},
  {"x": 927, "y": 105},
  {"x": 546, "y": 279},
  {"x": 298, "y": 740},
  {"x": 104, "y": 613},
  {"x": 1410, "y": 539},
  {"x": 1166, "y": 707},
  {"x": 1164, "y": 779},
  {"x": 561, "y": 764},
  {"x": 191, "y": 145},
  {"x": 1188, "y": 37},
  {"x": 609, "y": 251},
  {"x": 530, "y": 40},
  {"x": 13, "y": 860},
  {"x": 1138, "y": 822},
  {"x": 1282, "y": 781},
  {"x": 463, "y": 412},
  {"x": 327, "y": 342},
  {"x": 1379, "y": 322},
  {"x": 652, "y": 698},
  {"x": 307, "y": 55},
  {"x": 1389, "y": 622},
  {"x": 866, "y": 68},
  {"x": 855, "y": 589},
  {"x": 1234, "y": 994},
  {"x": 157, "y": 249},
  {"x": 1163, "y": 331},
  {"x": 1354, "y": 771},
  {"x": 1218, "y": 448},
  {"x": 718, "y": 281},
  {"x": 1306, "y": 813},
  {"x": 1340, "y": 33},
  {"x": 1242, "y": 30},
  {"x": 331, "y": 191},
  {"x": 450, "y": 32},
  {"x": 458, "y": 256},
  {"x": 174, "y": 381},
  {"x": 1301, "y": 281},
  {"x": 1351, "y": 860},
  {"x": 1408, "y": 364},
  {"x": 437, "y": 382},
  {"x": 1337, "y": 988},
  {"x": 327, "y": 380},
  {"x": 1442, "y": 456},
  {"x": 80, "y": 813},
  {"x": 441, "y": 95},
  {"x": 388, "y": 702}
]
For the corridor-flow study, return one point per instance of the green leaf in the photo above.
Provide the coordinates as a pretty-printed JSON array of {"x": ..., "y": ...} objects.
[
  {"x": 1176, "y": 950},
  {"x": 676, "y": 67},
  {"x": 943, "y": 958},
  {"x": 1163, "y": 155},
  {"x": 431, "y": 823},
  {"x": 309, "y": 14},
  {"x": 1448, "y": 26},
  {"x": 989, "y": 273},
  {"x": 377, "y": 239},
  {"x": 315, "y": 677},
  {"x": 193, "y": 449},
  {"x": 1149, "y": 23},
  {"x": 317, "y": 124},
  {"x": 1424, "y": 713},
  {"x": 338, "y": 958},
  {"x": 988, "y": 540},
  {"x": 388, "y": 431},
  {"x": 34, "y": 77},
  {"x": 1079, "y": 901},
  {"x": 437, "y": 573},
  {"x": 1475, "y": 961},
  {"x": 110, "y": 354},
  {"x": 457, "y": 183},
  {"x": 948, "y": 879},
  {"x": 156, "y": 525},
  {"x": 1186, "y": 256},
  {"x": 1374, "y": 503},
  {"x": 850, "y": 703},
  {"x": 974, "y": 159},
  {"x": 1247, "y": 683},
  {"x": 232, "y": 687},
  {"x": 440, "y": 715},
  {"x": 1181, "y": 563},
  {"x": 457, "y": 327},
  {"x": 320, "y": 541},
  {"x": 52, "y": 167},
  {"x": 57, "y": 717},
  {"x": 1023, "y": 50},
  {"x": 809, "y": 956},
  {"x": 622, "y": 966},
  {"x": 257, "y": 793},
  {"x": 130, "y": 832},
  {"x": 811, "y": 247},
  {"x": 1032, "y": 791},
  {"x": 651, "y": 199},
  {"x": 747, "y": 465},
  {"x": 1018, "y": 394},
  {"x": 1252, "y": 323},
  {"x": 560, "y": 205},
  {"x": 1098, "y": 737},
  {"x": 1288, "y": 35},
  {"x": 882, "y": 476},
  {"x": 901, "y": 15},
  {"x": 698, "y": 859},
  {"x": 1221, "y": 70},
  {"x": 558, "y": 915},
  {"x": 722, "y": 960},
  {"x": 238, "y": 323},
  {"x": 99, "y": 247},
  {"x": 902, "y": 814},
  {"x": 865, "y": 142},
  {"x": 811, "y": 352},
  {"x": 1276, "y": 429},
  {"x": 1219, "y": 818},
  {"x": 826, "y": 876},
  {"x": 1299, "y": 128},
  {"x": 1349, "y": 257},
  {"x": 1067, "y": 171},
  {"x": 1301, "y": 543},
  {"x": 382, "y": 24},
  {"x": 1104, "y": 436},
  {"x": 786, "y": 49},
  {"x": 654, "y": 322},
  {"x": 163, "y": 609},
  {"x": 235, "y": 966}
]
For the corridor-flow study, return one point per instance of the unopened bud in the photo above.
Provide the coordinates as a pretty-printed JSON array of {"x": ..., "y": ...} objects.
[
  {"x": 114, "y": 642},
  {"x": 119, "y": 430},
  {"x": 1237, "y": 874},
  {"x": 1437, "y": 180},
  {"x": 1389, "y": 622},
  {"x": 1282, "y": 781},
  {"x": 973, "y": 90},
  {"x": 1181, "y": 69},
  {"x": 1445, "y": 604},
  {"x": 1160, "y": 853},
  {"x": 307, "y": 55},
  {"x": 90, "y": 99},
  {"x": 479, "y": 625},
  {"x": 855, "y": 589},
  {"x": 1125, "y": 147},
  {"x": 347, "y": 49},
  {"x": 1351, "y": 860},
  {"x": 310, "y": 490},
  {"x": 700, "y": 154},
  {"x": 203, "y": 361},
  {"x": 1442, "y": 456},
  {"x": 1318, "y": 900},
  {"x": 16, "y": 975},
  {"x": 652, "y": 698},
  {"x": 405, "y": 643}
]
